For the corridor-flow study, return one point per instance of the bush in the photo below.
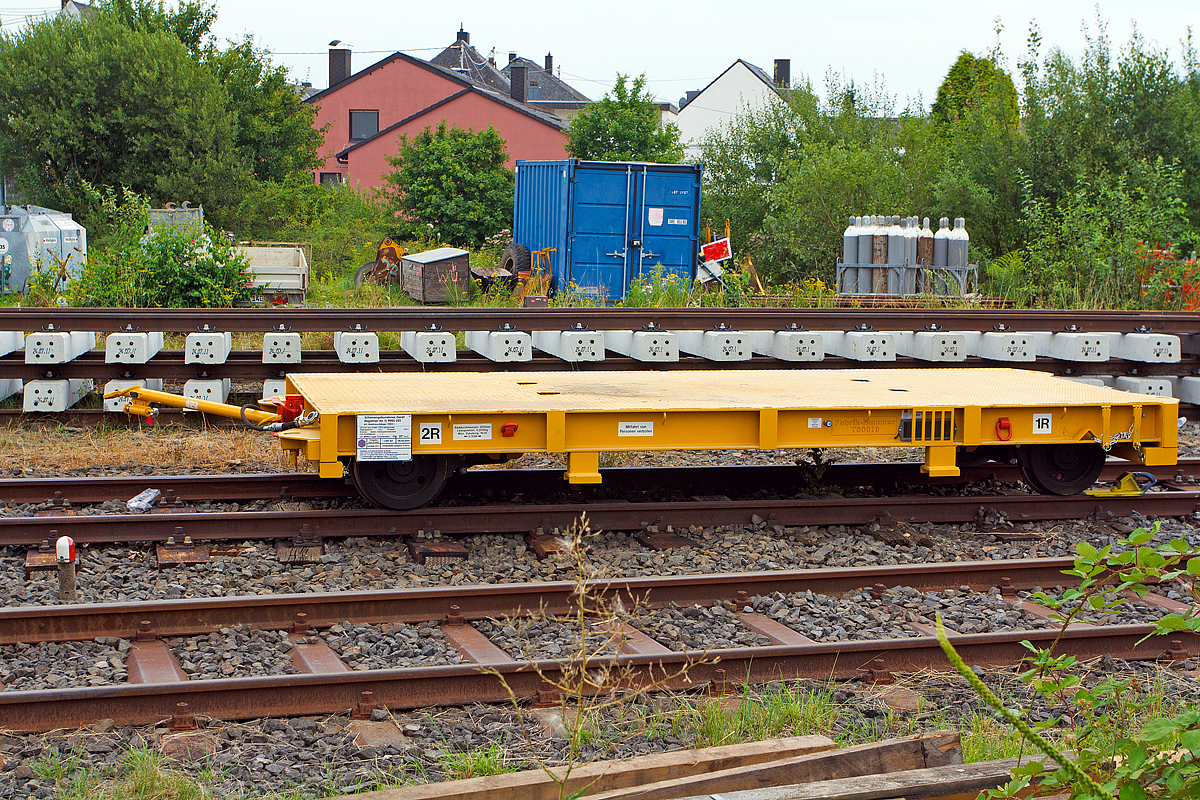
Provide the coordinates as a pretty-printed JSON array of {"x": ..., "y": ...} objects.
[
  {"x": 171, "y": 268},
  {"x": 343, "y": 225},
  {"x": 455, "y": 180}
]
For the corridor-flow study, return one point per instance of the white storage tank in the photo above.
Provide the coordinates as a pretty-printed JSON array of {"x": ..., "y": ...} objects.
[{"x": 32, "y": 236}]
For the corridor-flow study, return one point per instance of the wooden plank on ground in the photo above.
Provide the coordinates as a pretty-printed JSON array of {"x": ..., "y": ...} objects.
[
  {"x": 534, "y": 784},
  {"x": 952, "y": 782},
  {"x": 940, "y": 748}
]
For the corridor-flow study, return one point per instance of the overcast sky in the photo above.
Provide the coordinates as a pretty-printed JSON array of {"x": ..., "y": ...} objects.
[{"x": 685, "y": 45}]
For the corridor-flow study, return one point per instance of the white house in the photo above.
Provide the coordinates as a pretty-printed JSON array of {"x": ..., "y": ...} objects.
[{"x": 742, "y": 87}]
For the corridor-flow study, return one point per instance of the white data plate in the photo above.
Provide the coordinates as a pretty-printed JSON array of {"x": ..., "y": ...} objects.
[{"x": 384, "y": 437}]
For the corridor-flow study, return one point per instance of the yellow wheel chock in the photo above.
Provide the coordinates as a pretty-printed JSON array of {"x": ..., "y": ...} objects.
[{"x": 1131, "y": 484}]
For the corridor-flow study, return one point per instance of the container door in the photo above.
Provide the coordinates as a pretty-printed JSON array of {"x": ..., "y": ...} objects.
[
  {"x": 602, "y": 208},
  {"x": 668, "y": 205}
]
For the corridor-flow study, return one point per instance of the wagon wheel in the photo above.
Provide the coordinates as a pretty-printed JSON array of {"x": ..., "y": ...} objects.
[
  {"x": 1061, "y": 468},
  {"x": 402, "y": 484}
]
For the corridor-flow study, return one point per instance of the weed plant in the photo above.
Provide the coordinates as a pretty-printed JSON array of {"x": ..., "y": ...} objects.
[{"x": 1128, "y": 743}]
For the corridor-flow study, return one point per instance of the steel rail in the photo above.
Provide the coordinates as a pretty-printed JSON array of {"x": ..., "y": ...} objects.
[
  {"x": 420, "y": 317},
  {"x": 694, "y": 479},
  {"x": 520, "y": 518},
  {"x": 247, "y": 365},
  {"x": 199, "y": 616},
  {"x": 463, "y": 684},
  {"x": 242, "y": 698}
]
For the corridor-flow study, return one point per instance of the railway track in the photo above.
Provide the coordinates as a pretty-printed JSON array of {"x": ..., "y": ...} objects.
[
  {"x": 542, "y": 505},
  {"x": 324, "y": 684},
  {"x": 457, "y": 319},
  {"x": 287, "y": 485},
  {"x": 248, "y": 365}
]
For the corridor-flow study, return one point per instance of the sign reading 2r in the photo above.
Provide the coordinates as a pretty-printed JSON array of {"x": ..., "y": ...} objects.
[{"x": 431, "y": 433}]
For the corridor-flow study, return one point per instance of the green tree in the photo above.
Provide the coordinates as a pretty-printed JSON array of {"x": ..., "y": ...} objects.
[
  {"x": 275, "y": 132},
  {"x": 455, "y": 180},
  {"x": 95, "y": 100},
  {"x": 971, "y": 81},
  {"x": 190, "y": 22},
  {"x": 624, "y": 125}
]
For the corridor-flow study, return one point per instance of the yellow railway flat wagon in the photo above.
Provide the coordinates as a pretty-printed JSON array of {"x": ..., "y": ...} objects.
[{"x": 400, "y": 436}]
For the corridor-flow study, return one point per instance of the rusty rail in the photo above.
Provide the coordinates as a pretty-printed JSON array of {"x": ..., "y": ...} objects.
[
  {"x": 419, "y": 318},
  {"x": 529, "y": 482},
  {"x": 469, "y": 520},
  {"x": 334, "y": 692}
]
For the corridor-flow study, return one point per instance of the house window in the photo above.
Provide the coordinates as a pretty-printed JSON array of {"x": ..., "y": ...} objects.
[
  {"x": 332, "y": 179},
  {"x": 363, "y": 125},
  {"x": 535, "y": 92}
]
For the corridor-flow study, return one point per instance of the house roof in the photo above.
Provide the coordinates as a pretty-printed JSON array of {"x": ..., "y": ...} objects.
[
  {"x": 465, "y": 60},
  {"x": 757, "y": 71},
  {"x": 553, "y": 89},
  {"x": 78, "y": 10},
  {"x": 545, "y": 119}
]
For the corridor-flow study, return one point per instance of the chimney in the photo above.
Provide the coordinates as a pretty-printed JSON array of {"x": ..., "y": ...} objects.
[
  {"x": 516, "y": 82},
  {"x": 783, "y": 73},
  {"x": 463, "y": 36},
  {"x": 512, "y": 57},
  {"x": 339, "y": 62},
  {"x": 549, "y": 63}
]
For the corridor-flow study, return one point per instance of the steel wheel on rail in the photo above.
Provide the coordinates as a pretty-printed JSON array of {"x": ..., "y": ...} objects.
[
  {"x": 402, "y": 485},
  {"x": 1061, "y": 468}
]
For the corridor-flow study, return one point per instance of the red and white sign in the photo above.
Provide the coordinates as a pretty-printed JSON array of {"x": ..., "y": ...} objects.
[{"x": 717, "y": 251}]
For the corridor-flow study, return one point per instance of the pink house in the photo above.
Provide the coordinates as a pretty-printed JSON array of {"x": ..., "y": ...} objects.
[{"x": 367, "y": 112}]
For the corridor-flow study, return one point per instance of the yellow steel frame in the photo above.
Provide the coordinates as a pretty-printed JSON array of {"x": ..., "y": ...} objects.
[{"x": 1141, "y": 432}]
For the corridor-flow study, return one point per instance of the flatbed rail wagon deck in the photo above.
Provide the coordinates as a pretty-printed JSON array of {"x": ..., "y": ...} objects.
[{"x": 400, "y": 436}]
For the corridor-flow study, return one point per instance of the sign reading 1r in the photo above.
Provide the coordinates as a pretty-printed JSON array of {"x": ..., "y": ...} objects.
[{"x": 1042, "y": 423}]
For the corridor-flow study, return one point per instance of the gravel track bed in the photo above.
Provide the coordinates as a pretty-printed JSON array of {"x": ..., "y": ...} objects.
[
  {"x": 822, "y": 618},
  {"x": 697, "y": 628},
  {"x": 111, "y": 574},
  {"x": 363, "y": 646},
  {"x": 964, "y": 610},
  {"x": 61, "y": 665},
  {"x": 1129, "y": 611},
  {"x": 316, "y": 756},
  {"x": 548, "y": 639},
  {"x": 237, "y": 652}
]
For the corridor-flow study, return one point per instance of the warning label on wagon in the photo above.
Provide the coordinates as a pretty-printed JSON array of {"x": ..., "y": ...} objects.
[
  {"x": 635, "y": 429},
  {"x": 384, "y": 437},
  {"x": 473, "y": 432}
]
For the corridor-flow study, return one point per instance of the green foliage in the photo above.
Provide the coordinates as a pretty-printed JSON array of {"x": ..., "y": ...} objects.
[
  {"x": 624, "y": 125},
  {"x": 133, "y": 96},
  {"x": 275, "y": 133},
  {"x": 1124, "y": 746},
  {"x": 190, "y": 22},
  {"x": 1097, "y": 156},
  {"x": 343, "y": 225},
  {"x": 1087, "y": 250},
  {"x": 968, "y": 83},
  {"x": 127, "y": 108},
  {"x": 171, "y": 268},
  {"x": 475, "y": 763},
  {"x": 455, "y": 180}
]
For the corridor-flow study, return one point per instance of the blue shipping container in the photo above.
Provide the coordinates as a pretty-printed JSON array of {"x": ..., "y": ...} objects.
[{"x": 609, "y": 222}]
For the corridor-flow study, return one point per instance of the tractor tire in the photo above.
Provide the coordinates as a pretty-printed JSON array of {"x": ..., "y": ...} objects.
[
  {"x": 360, "y": 277},
  {"x": 515, "y": 259}
]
